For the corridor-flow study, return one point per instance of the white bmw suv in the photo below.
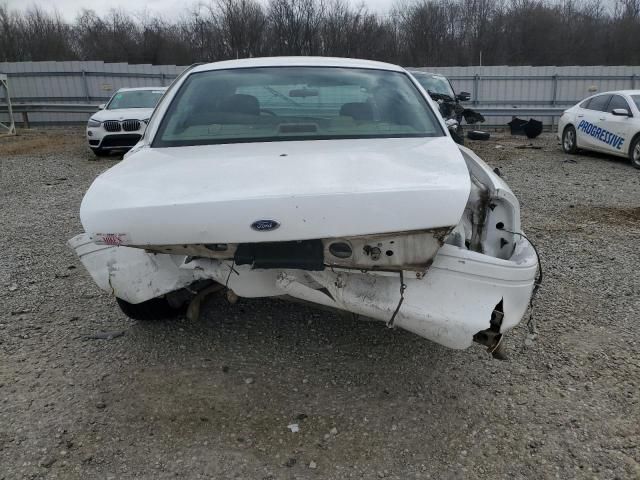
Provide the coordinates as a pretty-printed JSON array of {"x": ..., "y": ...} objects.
[{"x": 121, "y": 122}]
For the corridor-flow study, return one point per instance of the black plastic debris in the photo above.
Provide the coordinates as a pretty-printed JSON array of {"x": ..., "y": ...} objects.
[
  {"x": 531, "y": 128},
  {"x": 517, "y": 126},
  {"x": 478, "y": 135},
  {"x": 472, "y": 116}
]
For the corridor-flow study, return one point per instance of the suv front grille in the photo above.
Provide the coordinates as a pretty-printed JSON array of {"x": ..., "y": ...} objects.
[
  {"x": 126, "y": 125},
  {"x": 111, "y": 126},
  {"x": 130, "y": 125}
]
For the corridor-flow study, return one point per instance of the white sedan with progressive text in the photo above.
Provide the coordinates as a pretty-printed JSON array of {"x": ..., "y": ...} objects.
[{"x": 608, "y": 122}]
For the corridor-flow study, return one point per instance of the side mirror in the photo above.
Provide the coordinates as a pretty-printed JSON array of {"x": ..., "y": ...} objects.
[
  {"x": 621, "y": 112},
  {"x": 464, "y": 96},
  {"x": 101, "y": 106}
]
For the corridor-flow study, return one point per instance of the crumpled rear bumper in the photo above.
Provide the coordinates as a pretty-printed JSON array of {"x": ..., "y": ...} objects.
[
  {"x": 451, "y": 303},
  {"x": 448, "y": 305}
]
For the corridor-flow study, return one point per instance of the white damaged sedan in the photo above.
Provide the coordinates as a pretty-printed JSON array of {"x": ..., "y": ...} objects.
[{"x": 326, "y": 180}]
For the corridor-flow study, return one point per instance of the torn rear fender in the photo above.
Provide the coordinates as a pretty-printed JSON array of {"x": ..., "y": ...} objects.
[
  {"x": 449, "y": 305},
  {"x": 130, "y": 273},
  {"x": 492, "y": 212}
]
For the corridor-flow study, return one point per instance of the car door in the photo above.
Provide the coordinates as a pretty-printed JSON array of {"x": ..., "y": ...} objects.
[
  {"x": 590, "y": 120},
  {"x": 617, "y": 132}
]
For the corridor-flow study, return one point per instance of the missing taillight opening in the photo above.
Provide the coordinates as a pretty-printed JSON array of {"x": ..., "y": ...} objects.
[{"x": 340, "y": 250}]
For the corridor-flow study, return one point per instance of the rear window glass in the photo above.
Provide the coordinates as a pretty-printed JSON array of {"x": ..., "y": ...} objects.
[
  {"x": 599, "y": 103},
  {"x": 295, "y": 103},
  {"x": 636, "y": 100}
]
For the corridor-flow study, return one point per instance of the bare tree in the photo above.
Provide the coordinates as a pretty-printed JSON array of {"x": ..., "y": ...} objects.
[
  {"x": 413, "y": 32},
  {"x": 625, "y": 34},
  {"x": 425, "y": 33},
  {"x": 199, "y": 30},
  {"x": 241, "y": 26},
  {"x": 37, "y": 35},
  {"x": 10, "y": 35},
  {"x": 295, "y": 26},
  {"x": 114, "y": 38}
]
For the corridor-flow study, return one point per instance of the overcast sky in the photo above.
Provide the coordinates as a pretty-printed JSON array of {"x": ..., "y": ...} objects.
[{"x": 168, "y": 8}]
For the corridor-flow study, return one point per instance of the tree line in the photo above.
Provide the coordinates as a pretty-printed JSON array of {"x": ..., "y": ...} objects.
[{"x": 412, "y": 32}]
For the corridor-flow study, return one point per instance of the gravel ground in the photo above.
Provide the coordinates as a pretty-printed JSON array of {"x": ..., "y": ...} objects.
[{"x": 213, "y": 399}]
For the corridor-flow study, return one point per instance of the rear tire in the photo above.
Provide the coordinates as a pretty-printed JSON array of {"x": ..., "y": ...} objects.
[
  {"x": 569, "y": 140},
  {"x": 634, "y": 152},
  {"x": 100, "y": 152},
  {"x": 478, "y": 135},
  {"x": 154, "y": 309}
]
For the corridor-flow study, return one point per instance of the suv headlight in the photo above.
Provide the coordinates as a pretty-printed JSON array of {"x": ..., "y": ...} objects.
[{"x": 93, "y": 123}]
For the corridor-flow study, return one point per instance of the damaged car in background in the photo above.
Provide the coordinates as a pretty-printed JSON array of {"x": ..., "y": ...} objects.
[
  {"x": 331, "y": 181},
  {"x": 441, "y": 91}
]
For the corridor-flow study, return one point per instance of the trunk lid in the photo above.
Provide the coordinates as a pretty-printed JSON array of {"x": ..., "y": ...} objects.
[{"x": 299, "y": 189}]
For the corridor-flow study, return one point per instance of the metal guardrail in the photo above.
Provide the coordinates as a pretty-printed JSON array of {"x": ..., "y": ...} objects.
[
  {"x": 551, "y": 89},
  {"x": 524, "y": 111},
  {"x": 85, "y": 74},
  {"x": 551, "y": 112},
  {"x": 478, "y": 79},
  {"x": 26, "y": 108},
  {"x": 55, "y": 107}
]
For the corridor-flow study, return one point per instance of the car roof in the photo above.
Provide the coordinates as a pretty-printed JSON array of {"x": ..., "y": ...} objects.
[
  {"x": 422, "y": 72},
  {"x": 298, "y": 62},
  {"x": 622, "y": 92},
  {"x": 134, "y": 89}
]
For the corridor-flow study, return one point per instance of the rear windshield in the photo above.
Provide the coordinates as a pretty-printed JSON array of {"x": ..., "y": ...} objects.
[
  {"x": 294, "y": 103},
  {"x": 135, "y": 99},
  {"x": 636, "y": 100}
]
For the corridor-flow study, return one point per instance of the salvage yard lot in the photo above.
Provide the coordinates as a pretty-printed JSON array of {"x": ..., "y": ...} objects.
[{"x": 214, "y": 398}]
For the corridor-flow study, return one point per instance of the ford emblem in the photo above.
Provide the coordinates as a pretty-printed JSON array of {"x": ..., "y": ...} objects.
[{"x": 265, "y": 225}]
